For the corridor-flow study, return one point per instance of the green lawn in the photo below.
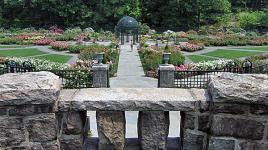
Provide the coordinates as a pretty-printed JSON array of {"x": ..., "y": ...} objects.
[
  {"x": 256, "y": 48},
  {"x": 199, "y": 58},
  {"x": 231, "y": 54},
  {"x": 55, "y": 58},
  {"x": 11, "y": 46},
  {"x": 21, "y": 52}
]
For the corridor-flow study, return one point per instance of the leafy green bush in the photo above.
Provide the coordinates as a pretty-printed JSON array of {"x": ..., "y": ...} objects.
[
  {"x": 65, "y": 37},
  {"x": 9, "y": 41},
  {"x": 76, "y": 48},
  {"x": 151, "y": 59},
  {"x": 249, "y": 20}
]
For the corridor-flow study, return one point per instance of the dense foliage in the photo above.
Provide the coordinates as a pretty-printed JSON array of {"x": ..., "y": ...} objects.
[{"x": 160, "y": 14}]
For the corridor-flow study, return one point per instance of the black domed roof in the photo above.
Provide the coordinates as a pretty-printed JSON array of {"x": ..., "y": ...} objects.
[{"x": 127, "y": 23}]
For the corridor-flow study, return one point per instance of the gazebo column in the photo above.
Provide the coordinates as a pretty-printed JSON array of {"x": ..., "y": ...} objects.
[
  {"x": 134, "y": 40},
  {"x": 127, "y": 37}
]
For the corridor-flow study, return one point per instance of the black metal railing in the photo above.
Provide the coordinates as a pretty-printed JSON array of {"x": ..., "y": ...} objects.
[
  {"x": 70, "y": 79},
  {"x": 200, "y": 79}
]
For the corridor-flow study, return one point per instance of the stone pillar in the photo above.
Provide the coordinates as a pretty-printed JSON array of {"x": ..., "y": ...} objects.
[
  {"x": 166, "y": 76},
  {"x": 153, "y": 126},
  {"x": 110, "y": 124},
  {"x": 100, "y": 76},
  {"x": 27, "y": 114}
]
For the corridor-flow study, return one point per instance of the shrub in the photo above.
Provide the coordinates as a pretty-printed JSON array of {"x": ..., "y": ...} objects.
[
  {"x": 251, "y": 34},
  {"x": 59, "y": 46},
  {"x": 65, "y": 37},
  {"x": 191, "y": 32},
  {"x": 249, "y": 20},
  {"x": 259, "y": 41},
  {"x": 152, "y": 58},
  {"x": 45, "y": 41},
  {"x": 76, "y": 48},
  {"x": 9, "y": 41},
  {"x": 191, "y": 47}
]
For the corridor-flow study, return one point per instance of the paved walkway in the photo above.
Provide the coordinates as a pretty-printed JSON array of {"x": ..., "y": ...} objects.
[{"x": 130, "y": 74}]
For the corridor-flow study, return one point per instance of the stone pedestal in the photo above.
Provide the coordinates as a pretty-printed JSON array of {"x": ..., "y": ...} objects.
[{"x": 100, "y": 76}]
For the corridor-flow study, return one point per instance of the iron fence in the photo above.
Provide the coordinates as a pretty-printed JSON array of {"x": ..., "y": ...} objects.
[
  {"x": 200, "y": 79},
  {"x": 70, "y": 79}
]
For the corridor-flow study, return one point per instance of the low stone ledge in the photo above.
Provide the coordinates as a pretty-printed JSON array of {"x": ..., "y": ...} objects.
[
  {"x": 132, "y": 99},
  {"x": 29, "y": 88},
  {"x": 239, "y": 88}
]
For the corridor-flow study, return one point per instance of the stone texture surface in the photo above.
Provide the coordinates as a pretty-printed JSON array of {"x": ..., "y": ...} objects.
[
  {"x": 29, "y": 88},
  {"x": 192, "y": 141},
  {"x": 24, "y": 110},
  {"x": 11, "y": 137},
  {"x": 3, "y": 111},
  {"x": 111, "y": 130},
  {"x": 73, "y": 123},
  {"x": 130, "y": 99},
  {"x": 153, "y": 128},
  {"x": 54, "y": 145},
  {"x": 203, "y": 122},
  {"x": 230, "y": 108},
  {"x": 217, "y": 144},
  {"x": 239, "y": 88},
  {"x": 237, "y": 128},
  {"x": 41, "y": 127},
  {"x": 188, "y": 120},
  {"x": 253, "y": 146},
  {"x": 259, "y": 110},
  {"x": 71, "y": 142}
]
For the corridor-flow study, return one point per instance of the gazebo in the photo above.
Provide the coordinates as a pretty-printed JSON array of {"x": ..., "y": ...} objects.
[{"x": 127, "y": 27}]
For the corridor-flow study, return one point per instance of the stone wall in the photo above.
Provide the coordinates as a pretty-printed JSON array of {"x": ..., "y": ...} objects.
[
  {"x": 231, "y": 115},
  {"x": 27, "y": 114},
  {"x": 235, "y": 119}
]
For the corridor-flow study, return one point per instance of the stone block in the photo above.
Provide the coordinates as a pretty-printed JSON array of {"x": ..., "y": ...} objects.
[
  {"x": 11, "y": 123},
  {"x": 71, "y": 142},
  {"x": 253, "y": 146},
  {"x": 230, "y": 108},
  {"x": 42, "y": 127},
  {"x": 203, "y": 123},
  {"x": 237, "y": 128},
  {"x": 224, "y": 144},
  {"x": 192, "y": 141},
  {"x": 73, "y": 123},
  {"x": 54, "y": 145},
  {"x": 28, "y": 146},
  {"x": 3, "y": 111},
  {"x": 127, "y": 99},
  {"x": 29, "y": 88},
  {"x": 11, "y": 137},
  {"x": 111, "y": 129},
  {"x": 259, "y": 110},
  {"x": 188, "y": 120},
  {"x": 239, "y": 88},
  {"x": 25, "y": 110},
  {"x": 153, "y": 128}
]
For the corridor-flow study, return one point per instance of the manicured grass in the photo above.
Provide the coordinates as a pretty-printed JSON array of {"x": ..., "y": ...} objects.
[
  {"x": 55, "y": 58},
  {"x": 199, "y": 58},
  {"x": 21, "y": 52},
  {"x": 231, "y": 54},
  {"x": 11, "y": 46},
  {"x": 256, "y": 48}
]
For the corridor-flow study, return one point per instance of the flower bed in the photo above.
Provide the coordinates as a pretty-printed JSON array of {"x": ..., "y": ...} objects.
[
  {"x": 45, "y": 41},
  {"x": 191, "y": 47},
  {"x": 59, "y": 46}
]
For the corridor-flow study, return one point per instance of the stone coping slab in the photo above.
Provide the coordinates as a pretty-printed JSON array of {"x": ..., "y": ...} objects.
[
  {"x": 131, "y": 99},
  {"x": 239, "y": 88},
  {"x": 29, "y": 88}
]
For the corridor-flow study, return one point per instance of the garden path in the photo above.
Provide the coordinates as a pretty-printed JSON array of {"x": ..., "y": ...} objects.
[{"x": 130, "y": 74}]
